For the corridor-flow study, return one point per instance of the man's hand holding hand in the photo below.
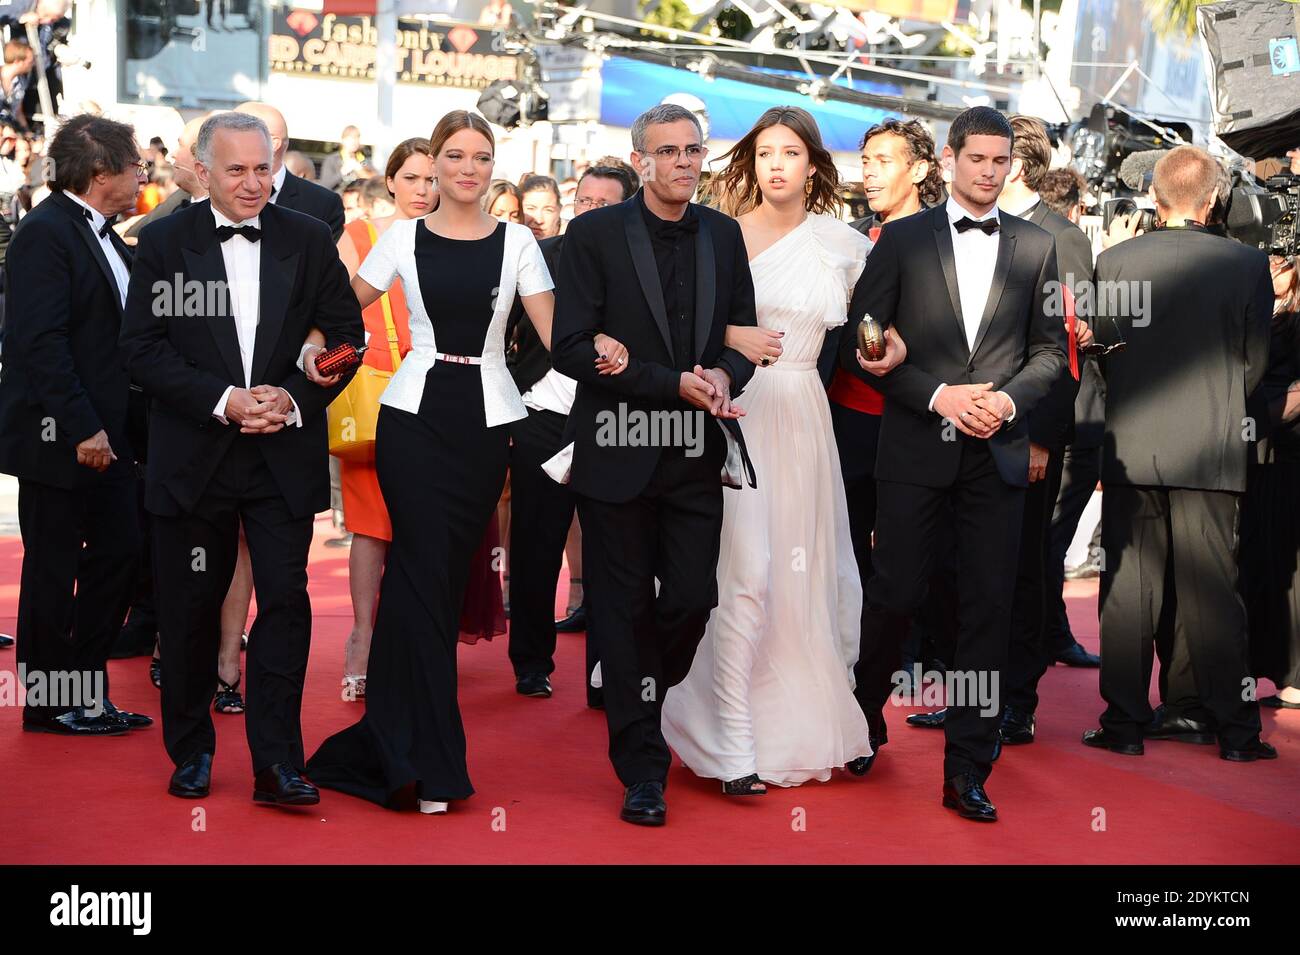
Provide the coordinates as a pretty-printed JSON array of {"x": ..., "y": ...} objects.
[{"x": 958, "y": 404}]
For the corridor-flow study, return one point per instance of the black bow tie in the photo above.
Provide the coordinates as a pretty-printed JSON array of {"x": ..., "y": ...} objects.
[
  {"x": 103, "y": 229},
  {"x": 250, "y": 232},
  {"x": 687, "y": 225},
  {"x": 987, "y": 226}
]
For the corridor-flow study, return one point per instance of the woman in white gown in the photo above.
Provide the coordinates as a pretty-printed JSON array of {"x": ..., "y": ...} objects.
[{"x": 769, "y": 697}]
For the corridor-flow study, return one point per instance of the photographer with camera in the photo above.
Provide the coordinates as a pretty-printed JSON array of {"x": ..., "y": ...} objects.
[{"x": 1195, "y": 330}]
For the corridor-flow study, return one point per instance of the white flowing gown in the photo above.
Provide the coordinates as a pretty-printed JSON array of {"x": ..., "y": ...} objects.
[{"x": 771, "y": 688}]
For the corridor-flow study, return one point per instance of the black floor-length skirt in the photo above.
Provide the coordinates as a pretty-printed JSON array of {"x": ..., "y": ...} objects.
[{"x": 441, "y": 472}]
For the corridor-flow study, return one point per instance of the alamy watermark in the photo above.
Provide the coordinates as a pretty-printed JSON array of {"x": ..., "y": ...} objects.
[
  {"x": 635, "y": 428},
  {"x": 57, "y": 689}
]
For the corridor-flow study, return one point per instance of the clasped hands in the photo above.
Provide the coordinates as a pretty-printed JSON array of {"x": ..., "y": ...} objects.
[
  {"x": 262, "y": 409},
  {"x": 976, "y": 410}
]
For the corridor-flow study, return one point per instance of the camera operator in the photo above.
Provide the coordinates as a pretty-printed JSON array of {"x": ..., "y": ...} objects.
[{"x": 1195, "y": 332}]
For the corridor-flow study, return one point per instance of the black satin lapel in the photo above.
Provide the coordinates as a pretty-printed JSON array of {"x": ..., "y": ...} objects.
[
  {"x": 204, "y": 264},
  {"x": 278, "y": 267},
  {"x": 948, "y": 259},
  {"x": 92, "y": 242},
  {"x": 1006, "y": 251},
  {"x": 647, "y": 272},
  {"x": 705, "y": 286}
]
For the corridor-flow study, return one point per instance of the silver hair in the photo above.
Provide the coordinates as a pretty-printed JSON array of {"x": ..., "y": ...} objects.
[
  {"x": 237, "y": 122},
  {"x": 657, "y": 116}
]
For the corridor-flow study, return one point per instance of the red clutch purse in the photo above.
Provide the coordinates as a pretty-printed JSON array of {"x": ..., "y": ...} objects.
[{"x": 339, "y": 360}]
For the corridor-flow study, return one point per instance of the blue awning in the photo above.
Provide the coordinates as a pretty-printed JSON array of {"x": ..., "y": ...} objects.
[{"x": 630, "y": 87}]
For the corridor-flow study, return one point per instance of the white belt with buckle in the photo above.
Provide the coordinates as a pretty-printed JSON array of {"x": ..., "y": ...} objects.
[{"x": 458, "y": 359}]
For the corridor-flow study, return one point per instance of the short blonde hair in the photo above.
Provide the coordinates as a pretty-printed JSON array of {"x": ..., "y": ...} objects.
[{"x": 1185, "y": 178}]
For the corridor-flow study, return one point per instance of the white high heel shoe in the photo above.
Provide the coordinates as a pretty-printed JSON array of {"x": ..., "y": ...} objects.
[{"x": 429, "y": 807}]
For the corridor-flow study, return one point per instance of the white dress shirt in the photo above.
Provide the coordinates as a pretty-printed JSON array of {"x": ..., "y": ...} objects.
[
  {"x": 277, "y": 183},
  {"x": 552, "y": 392},
  {"x": 243, "y": 261},
  {"x": 975, "y": 254},
  {"x": 115, "y": 261}
]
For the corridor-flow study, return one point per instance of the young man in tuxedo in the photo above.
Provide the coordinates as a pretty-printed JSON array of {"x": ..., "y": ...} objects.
[
  {"x": 1174, "y": 459},
  {"x": 664, "y": 277},
  {"x": 290, "y": 191},
  {"x": 969, "y": 292},
  {"x": 237, "y": 434},
  {"x": 64, "y": 424},
  {"x": 542, "y": 509},
  {"x": 1050, "y": 425}
]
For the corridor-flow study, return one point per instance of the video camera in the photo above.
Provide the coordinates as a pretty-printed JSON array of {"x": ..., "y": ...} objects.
[{"x": 1264, "y": 214}]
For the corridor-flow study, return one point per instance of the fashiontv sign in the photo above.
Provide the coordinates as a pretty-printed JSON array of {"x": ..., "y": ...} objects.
[{"x": 343, "y": 47}]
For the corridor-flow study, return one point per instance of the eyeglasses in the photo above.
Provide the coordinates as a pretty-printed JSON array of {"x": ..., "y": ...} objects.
[
  {"x": 588, "y": 203},
  {"x": 1096, "y": 349},
  {"x": 142, "y": 168},
  {"x": 694, "y": 153}
]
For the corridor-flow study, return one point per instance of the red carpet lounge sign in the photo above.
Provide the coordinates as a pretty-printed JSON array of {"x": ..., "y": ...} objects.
[{"x": 343, "y": 47}]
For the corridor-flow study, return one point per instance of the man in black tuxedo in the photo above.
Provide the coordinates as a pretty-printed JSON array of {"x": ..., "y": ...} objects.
[
  {"x": 64, "y": 426},
  {"x": 970, "y": 293},
  {"x": 542, "y": 509},
  {"x": 237, "y": 434},
  {"x": 287, "y": 190},
  {"x": 1195, "y": 323},
  {"x": 651, "y": 504}
]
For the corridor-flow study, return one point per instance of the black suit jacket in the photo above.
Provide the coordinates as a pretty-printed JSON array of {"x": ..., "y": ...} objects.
[
  {"x": 1176, "y": 396},
  {"x": 179, "y": 199},
  {"x": 63, "y": 379},
  {"x": 528, "y": 359},
  {"x": 609, "y": 282},
  {"x": 910, "y": 281},
  {"x": 1052, "y": 422},
  {"x": 185, "y": 363},
  {"x": 313, "y": 200}
]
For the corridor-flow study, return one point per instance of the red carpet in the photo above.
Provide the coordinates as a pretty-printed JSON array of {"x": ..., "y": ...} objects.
[{"x": 546, "y": 793}]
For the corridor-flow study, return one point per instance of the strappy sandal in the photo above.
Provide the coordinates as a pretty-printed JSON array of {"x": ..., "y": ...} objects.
[
  {"x": 745, "y": 786},
  {"x": 155, "y": 672},
  {"x": 228, "y": 698}
]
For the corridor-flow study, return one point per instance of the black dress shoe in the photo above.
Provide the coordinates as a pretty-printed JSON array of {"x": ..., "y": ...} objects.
[
  {"x": 76, "y": 723},
  {"x": 928, "y": 721},
  {"x": 6, "y": 641},
  {"x": 192, "y": 777},
  {"x": 1017, "y": 727},
  {"x": 1099, "y": 740},
  {"x": 1179, "y": 729},
  {"x": 534, "y": 684},
  {"x": 133, "y": 721},
  {"x": 282, "y": 785},
  {"x": 575, "y": 622},
  {"x": 1077, "y": 656},
  {"x": 862, "y": 764},
  {"x": 643, "y": 804},
  {"x": 966, "y": 794},
  {"x": 1272, "y": 702},
  {"x": 1255, "y": 749}
]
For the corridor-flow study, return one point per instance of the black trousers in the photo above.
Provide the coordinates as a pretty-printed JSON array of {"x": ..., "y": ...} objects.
[
  {"x": 194, "y": 560},
  {"x": 1081, "y": 470},
  {"x": 541, "y": 512},
  {"x": 986, "y": 515},
  {"x": 856, "y": 437},
  {"x": 1031, "y": 654},
  {"x": 140, "y": 632},
  {"x": 80, "y": 549},
  {"x": 1145, "y": 530},
  {"x": 646, "y": 642}
]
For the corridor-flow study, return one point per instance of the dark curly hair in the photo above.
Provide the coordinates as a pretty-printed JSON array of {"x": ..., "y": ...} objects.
[{"x": 920, "y": 146}]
